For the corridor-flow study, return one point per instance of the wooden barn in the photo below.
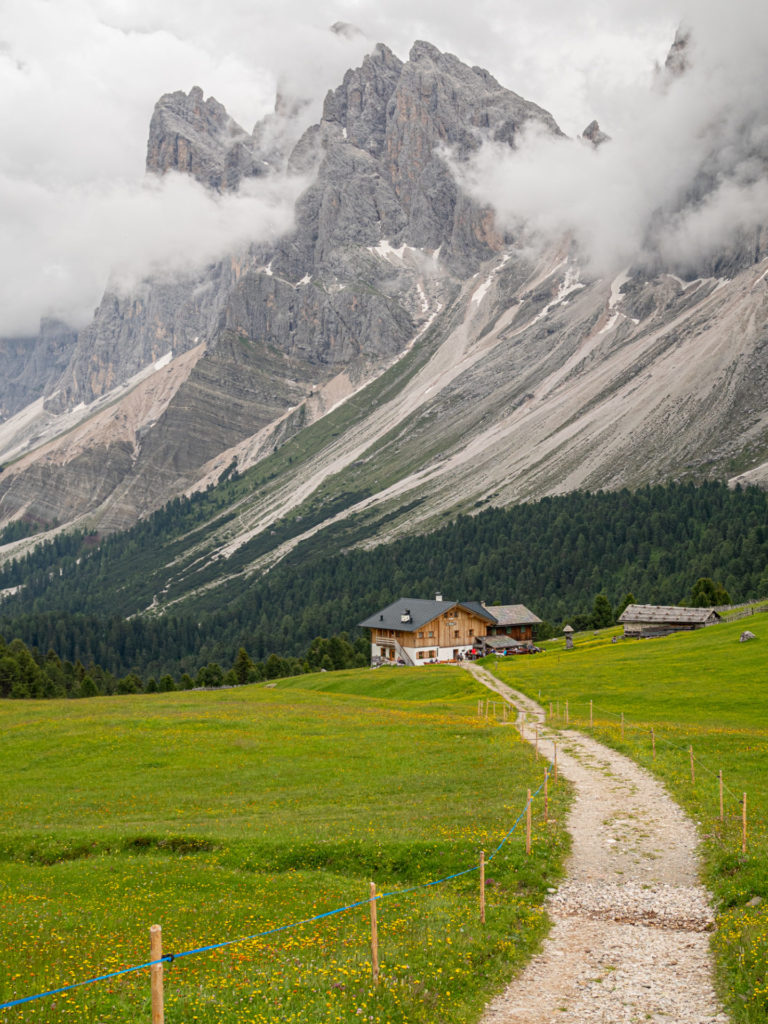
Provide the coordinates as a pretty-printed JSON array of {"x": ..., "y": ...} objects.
[
  {"x": 512, "y": 620},
  {"x": 649, "y": 620}
]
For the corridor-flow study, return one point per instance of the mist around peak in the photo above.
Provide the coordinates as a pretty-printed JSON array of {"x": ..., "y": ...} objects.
[{"x": 684, "y": 174}]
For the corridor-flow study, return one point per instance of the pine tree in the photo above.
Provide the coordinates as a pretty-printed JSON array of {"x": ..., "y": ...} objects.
[
  {"x": 623, "y": 604},
  {"x": 242, "y": 667},
  {"x": 602, "y": 613}
]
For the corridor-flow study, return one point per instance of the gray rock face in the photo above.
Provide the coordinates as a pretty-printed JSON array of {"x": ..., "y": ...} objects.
[
  {"x": 199, "y": 138},
  {"x": 379, "y": 175},
  {"x": 440, "y": 102},
  {"x": 33, "y": 365},
  {"x": 359, "y": 105},
  {"x": 130, "y": 332},
  {"x": 405, "y": 116}
]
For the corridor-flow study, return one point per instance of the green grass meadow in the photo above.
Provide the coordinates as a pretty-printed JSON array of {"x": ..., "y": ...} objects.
[
  {"x": 703, "y": 690},
  {"x": 222, "y": 814}
]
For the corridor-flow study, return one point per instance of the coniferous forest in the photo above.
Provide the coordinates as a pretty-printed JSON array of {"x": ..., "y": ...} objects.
[{"x": 556, "y": 556}]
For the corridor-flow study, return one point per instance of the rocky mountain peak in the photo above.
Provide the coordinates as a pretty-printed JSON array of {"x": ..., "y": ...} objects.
[
  {"x": 441, "y": 104},
  {"x": 679, "y": 52},
  {"x": 346, "y": 30},
  {"x": 422, "y": 50},
  {"x": 594, "y": 134},
  {"x": 359, "y": 105},
  {"x": 196, "y": 136}
]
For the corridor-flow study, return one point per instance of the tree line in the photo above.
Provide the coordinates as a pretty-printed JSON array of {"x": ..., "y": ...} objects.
[
  {"x": 555, "y": 555},
  {"x": 26, "y": 674}
]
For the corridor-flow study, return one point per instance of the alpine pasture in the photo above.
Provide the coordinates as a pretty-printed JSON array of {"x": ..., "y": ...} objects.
[
  {"x": 223, "y": 814},
  {"x": 700, "y": 693}
]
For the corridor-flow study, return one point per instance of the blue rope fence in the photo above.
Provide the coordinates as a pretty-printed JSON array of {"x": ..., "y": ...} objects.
[{"x": 169, "y": 957}]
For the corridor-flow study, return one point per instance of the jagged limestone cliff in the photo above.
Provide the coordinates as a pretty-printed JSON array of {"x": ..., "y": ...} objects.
[
  {"x": 498, "y": 370},
  {"x": 329, "y": 297}
]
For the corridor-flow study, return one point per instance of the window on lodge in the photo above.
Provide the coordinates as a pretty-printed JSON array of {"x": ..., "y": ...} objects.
[{"x": 426, "y": 654}]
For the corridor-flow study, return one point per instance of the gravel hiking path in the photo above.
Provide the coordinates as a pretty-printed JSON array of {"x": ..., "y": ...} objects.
[{"x": 630, "y": 939}]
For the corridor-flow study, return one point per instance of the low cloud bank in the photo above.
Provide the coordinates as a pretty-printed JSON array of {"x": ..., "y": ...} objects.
[
  {"x": 78, "y": 83},
  {"x": 685, "y": 171},
  {"x": 67, "y": 242}
]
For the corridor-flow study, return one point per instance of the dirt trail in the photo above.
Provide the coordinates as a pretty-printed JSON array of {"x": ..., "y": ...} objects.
[{"x": 630, "y": 941}]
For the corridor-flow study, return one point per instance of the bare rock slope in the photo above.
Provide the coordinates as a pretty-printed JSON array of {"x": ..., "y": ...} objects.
[{"x": 474, "y": 368}]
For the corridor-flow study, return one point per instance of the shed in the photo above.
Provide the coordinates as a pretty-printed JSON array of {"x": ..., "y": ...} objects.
[
  {"x": 503, "y": 645},
  {"x": 649, "y": 620}
]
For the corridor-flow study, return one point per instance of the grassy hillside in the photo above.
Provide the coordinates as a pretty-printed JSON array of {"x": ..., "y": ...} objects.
[
  {"x": 222, "y": 814},
  {"x": 703, "y": 690}
]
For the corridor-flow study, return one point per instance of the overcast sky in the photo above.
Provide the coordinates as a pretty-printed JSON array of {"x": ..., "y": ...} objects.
[{"x": 79, "y": 79}]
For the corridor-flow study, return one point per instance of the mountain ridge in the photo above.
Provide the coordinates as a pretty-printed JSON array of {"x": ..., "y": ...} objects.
[{"x": 514, "y": 372}]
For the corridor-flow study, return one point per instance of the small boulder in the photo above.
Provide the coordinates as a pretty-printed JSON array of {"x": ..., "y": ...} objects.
[{"x": 747, "y": 635}]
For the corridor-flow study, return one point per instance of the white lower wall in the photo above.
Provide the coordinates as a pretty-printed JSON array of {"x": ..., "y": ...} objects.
[{"x": 435, "y": 653}]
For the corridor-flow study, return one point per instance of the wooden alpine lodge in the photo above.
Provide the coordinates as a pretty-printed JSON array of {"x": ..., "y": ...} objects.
[{"x": 413, "y": 631}]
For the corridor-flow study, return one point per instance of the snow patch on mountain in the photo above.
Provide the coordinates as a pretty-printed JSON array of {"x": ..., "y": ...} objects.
[{"x": 482, "y": 290}]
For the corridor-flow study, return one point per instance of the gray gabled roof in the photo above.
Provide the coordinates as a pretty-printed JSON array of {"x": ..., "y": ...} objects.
[
  {"x": 661, "y": 613},
  {"x": 501, "y": 642},
  {"x": 512, "y": 615},
  {"x": 420, "y": 612}
]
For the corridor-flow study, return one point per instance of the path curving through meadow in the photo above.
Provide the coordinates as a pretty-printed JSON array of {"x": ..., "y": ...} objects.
[{"x": 630, "y": 938}]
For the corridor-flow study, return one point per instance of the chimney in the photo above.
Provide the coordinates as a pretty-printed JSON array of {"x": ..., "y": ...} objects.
[{"x": 438, "y": 597}]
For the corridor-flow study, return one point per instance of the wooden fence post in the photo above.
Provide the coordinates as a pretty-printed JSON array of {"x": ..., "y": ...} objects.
[
  {"x": 156, "y": 973},
  {"x": 720, "y": 780},
  {"x": 374, "y": 937},
  {"x": 480, "y": 708},
  {"x": 482, "y": 887},
  {"x": 546, "y": 795},
  {"x": 693, "y": 772},
  {"x": 744, "y": 824},
  {"x": 528, "y": 825},
  {"x": 590, "y": 714}
]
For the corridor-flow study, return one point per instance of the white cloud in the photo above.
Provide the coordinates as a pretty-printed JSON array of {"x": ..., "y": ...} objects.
[
  {"x": 69, "y": 240},
  {"x": 79, "y": 80}
]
